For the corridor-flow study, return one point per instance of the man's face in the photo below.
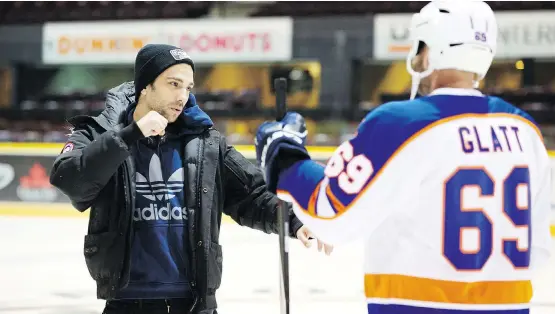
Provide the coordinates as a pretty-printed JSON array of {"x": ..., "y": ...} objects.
[{"x": 169, "y": 93}]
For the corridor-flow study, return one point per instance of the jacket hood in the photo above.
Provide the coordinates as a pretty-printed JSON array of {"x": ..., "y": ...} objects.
[{"x": 121, "y": 100}]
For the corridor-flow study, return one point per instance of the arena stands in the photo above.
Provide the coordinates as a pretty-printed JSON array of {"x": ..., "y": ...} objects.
[
  {"x": 33, "y": 12},
  {"x": 309, "y": 8},
  {"x": 328, "y": 50}
]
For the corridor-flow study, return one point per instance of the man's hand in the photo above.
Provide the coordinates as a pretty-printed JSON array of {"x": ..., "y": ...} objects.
[
  {"x": 152, "y": 124},
  {"x": 304, "y": 234},
  {"x": 285, "y": 138}
]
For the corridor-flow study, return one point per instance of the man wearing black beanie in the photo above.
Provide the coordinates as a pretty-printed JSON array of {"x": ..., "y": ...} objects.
[{"x": 157, "y": 177}]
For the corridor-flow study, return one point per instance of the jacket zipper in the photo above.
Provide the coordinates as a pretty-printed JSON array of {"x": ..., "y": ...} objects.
[
  {"x": 199, "y": 188},
  {"x": 128, "y": 203}
]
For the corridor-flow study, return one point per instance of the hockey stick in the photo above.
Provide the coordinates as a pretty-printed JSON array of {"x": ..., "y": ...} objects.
[{"x": 280, "y": 88}]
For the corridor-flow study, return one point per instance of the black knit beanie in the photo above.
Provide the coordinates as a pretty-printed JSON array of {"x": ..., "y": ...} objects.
[{"x": 152, "y": 60}]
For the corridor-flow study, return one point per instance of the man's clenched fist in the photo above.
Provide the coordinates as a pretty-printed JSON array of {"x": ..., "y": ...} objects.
[{"x": 152, "y": 124}]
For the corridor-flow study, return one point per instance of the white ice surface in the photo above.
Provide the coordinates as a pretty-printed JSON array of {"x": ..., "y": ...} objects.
[{"x": 42, "y": 271}]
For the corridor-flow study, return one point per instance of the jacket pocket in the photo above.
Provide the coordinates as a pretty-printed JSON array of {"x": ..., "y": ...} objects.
[
  {"x": 98, "y": 251},
  {"x": 215, "y": 262}
]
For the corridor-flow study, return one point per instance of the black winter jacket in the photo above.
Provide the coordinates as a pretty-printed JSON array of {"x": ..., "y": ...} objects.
[{"x": 98, "y": 173}]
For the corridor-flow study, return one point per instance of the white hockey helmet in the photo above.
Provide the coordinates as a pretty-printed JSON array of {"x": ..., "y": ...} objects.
[{"x": 460, "y": 35}]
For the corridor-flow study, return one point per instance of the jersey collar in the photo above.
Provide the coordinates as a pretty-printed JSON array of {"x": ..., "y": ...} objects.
[{"x": 456, "y": 92}]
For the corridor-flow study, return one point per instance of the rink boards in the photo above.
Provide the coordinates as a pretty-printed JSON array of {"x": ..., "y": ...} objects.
[{"x": 25, "y": 189}]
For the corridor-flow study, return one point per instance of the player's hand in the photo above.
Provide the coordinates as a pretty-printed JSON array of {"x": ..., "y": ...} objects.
[
  {"x": 304, "y": 234},
  {"x": 286, "y": 137},
  {"x": 152, "y": 124}
]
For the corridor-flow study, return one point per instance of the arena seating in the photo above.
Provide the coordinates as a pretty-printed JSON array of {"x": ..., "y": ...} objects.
[
  {"x": 308, "y": 8},
  {"x": 34, "y": 12}
]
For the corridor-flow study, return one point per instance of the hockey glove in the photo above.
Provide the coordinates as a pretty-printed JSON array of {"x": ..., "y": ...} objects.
[{"x": 279, "y": 144}]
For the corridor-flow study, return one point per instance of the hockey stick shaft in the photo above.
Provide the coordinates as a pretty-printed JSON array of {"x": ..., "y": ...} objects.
[{"x": 280, "y": 88}]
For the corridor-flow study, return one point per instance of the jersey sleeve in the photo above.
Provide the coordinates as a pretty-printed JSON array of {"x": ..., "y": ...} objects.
[{"x": 325, "y": 198}]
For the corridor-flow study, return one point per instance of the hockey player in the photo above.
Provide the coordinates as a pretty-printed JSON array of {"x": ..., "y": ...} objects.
[{"x": 450, "y": 191}]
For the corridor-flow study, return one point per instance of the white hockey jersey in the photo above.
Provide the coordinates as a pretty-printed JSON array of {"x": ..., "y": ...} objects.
[{"x": 450, "y": 193}]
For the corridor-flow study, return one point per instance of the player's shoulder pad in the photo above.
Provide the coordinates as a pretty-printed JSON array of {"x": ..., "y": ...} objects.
[
  {"x": 410, "y": 116},
  {"x": 387, "y": 128},
  {"x": 499, "y": 105}
]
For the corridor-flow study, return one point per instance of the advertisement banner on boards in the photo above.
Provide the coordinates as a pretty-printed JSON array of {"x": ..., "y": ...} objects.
[
  {"x": 206, "y": 41},
  {"x": 24, "y": 178},
  {"x": 529, "y": 34}
]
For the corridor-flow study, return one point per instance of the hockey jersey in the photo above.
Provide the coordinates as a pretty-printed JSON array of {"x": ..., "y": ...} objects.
[{"x": 451, "y": 195}]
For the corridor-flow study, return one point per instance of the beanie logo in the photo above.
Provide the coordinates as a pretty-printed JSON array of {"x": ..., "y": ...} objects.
[{"x": 179, "y": 54}]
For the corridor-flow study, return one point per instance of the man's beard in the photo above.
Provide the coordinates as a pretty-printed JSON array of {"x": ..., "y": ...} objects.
[
  {"x": 162, "y": 112},
  {"x": 169, "y": 115},
  {"x": 167, "y": 112},
  {"x": 171, "y": 118}
]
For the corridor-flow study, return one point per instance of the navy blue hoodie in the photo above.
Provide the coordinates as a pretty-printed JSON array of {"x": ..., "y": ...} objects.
[{"x": 159, "y": 258}]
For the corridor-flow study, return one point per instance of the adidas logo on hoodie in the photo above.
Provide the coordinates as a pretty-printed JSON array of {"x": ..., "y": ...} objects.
[{"x": 159, "y": 193}]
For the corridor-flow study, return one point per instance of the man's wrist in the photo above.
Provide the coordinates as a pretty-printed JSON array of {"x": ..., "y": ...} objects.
[
  {"x": 131, "y": 133},
  {"x": 294, "y": 224}
]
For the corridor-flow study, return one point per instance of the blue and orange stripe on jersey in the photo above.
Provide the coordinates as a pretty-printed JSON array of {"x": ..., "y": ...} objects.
[
  {"x": 377, "y": 308},
  {"x": 402, "y": 287},
  {"x": 387, "y": 293}
]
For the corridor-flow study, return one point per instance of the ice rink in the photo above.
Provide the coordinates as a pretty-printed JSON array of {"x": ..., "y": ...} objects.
[{"x": 42, "y": 271}]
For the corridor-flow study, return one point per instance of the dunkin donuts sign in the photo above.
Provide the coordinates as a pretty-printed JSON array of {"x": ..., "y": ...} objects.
[{"x": 206, "y": 41}]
